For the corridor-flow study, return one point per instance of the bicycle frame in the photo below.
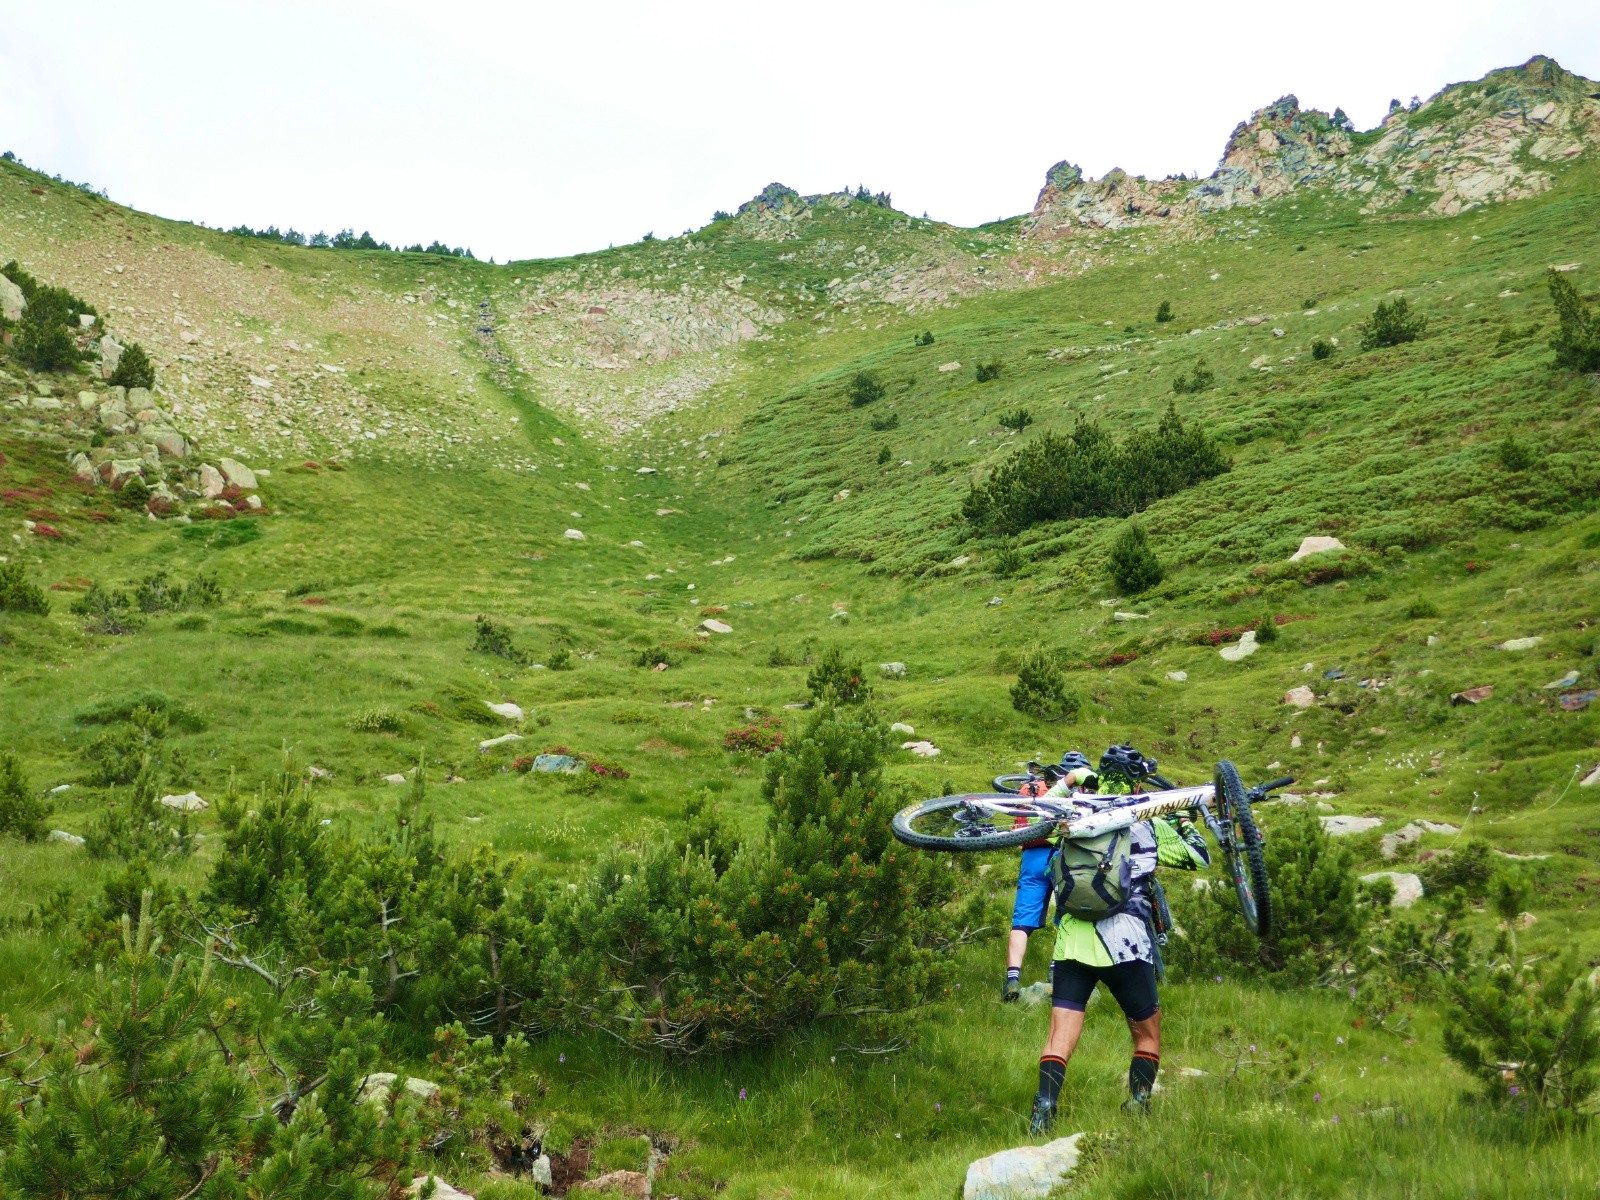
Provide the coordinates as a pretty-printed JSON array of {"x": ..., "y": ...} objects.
[{"x": 1075, "y": 818}]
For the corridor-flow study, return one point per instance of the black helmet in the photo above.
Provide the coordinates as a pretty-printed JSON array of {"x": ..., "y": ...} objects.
[
  {"x": 1127, "y": 763},
  {"x": 1074, "y": 759}
]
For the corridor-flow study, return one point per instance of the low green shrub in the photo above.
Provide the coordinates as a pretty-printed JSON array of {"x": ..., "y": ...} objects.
[
  {"x": 17, "y": 594},
  {"x": 1200, "y": 379},
  {"x": 1514, "y": 455},
  {"x": 835, "y": 679},
  {"x": 1321, "y": 349},
  {"x": 925, "y": 338},
  {"x": 1017, "y": 420},
  {"x": 1392, "y": 324},
  {"x": 864, "y": 388},
  {"x": 1164, "y": 312},
  {"x": 560, "y": 659},
  {"x": 105, "y": 611},
  {"x": 1577, "y": 337},
  {"x": 884, "y": 421},
  {"x": 1041, "y": 688},
  {"x": 134, "y": 369},
  {"x": 490, "y": 637},
  {"x": 22, "y": 813},
  {"x": 1132, "y": 564},
  {"x": 1420, "y": 609},
  {"x": 377, "y": 720},
  {"x": 987, "y": 372}
]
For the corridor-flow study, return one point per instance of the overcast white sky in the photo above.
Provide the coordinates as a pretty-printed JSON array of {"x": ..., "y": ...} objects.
[{"x": 533, "y": 129}]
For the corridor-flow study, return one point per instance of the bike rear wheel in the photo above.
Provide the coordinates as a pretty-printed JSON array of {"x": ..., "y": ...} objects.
[
  {"x": 1247, "y": 861},
  {"x": 1012, "y": 784},
  {"x": 962, "y": 823}
]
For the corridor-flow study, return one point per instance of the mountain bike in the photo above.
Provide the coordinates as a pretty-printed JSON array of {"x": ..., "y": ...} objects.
[{"x": 997, "y": 820}]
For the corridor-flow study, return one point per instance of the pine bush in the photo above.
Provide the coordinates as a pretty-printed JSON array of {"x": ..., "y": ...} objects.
[
  {"x": 17, "y": 594},
  {"x": 864, "y": 388},
  {"x": 1164, "y": 312},
  {"x": 1392, "y": 323},
  {"x": 1577, "y": 337},
  {"x": 134, "y": 369},
  {"x": 834, "y": 679},
  {"x": 1041, "y": 689},
  {"x": 1132, "y": 564},
  {"x": 22, "y": 813}
]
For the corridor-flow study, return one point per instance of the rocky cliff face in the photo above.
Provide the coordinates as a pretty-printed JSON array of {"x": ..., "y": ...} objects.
[{"x": 1497, "y": 138}]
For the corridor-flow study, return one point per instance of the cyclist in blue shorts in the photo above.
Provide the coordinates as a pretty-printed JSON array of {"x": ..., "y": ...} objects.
[{"x": 1033, "y": 881}]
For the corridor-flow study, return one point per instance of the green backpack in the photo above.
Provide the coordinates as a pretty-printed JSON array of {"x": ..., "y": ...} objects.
[{"x": 1093, "y": 877}]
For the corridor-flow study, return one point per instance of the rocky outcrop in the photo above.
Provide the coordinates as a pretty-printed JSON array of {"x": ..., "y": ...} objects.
[
  {"x": 11, "y": 300},
  {"x": 1471, "y": 144}
]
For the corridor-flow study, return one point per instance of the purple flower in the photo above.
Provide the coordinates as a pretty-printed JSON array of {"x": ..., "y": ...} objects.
[
  {"x": 1515, "y": 1090},
  {"x": 1335, "y": 1119},
  {"x": 741, "y": 1094},
  {"x": 1339, "y": 1040},
  {"x": 1352, "y": 993},
  {"x": 563, "y": 1058},
  {"x": 1219, "y": 978},
  {"x": 937, "y": 1107},
  {"x": 1316, "y": 1097}
]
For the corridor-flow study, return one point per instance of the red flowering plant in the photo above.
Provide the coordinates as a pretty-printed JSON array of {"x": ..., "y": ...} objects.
[{"x": 760, "y": 738}]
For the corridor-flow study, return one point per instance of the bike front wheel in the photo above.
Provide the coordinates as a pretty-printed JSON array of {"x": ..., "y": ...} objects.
[
  {"x": 978, "y": 821},
  {"x": 1247, "y": 860}
]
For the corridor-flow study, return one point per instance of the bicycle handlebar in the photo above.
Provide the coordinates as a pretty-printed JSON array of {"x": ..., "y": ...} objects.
[{"x": 1274, "y": 785}]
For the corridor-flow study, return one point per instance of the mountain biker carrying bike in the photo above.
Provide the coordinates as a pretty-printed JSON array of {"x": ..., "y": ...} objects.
[
  {"x": 1033, "y": 884},
  {"x": 1103, "y": 935}
]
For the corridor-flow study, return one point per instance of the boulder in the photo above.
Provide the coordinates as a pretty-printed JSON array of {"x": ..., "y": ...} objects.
[
  {"x": 119, "y": 470},
  {"x": 635, "y": 1185},
  {"x": 1474, "y": 695},
  {"x": 1300, "y": 697},
  {"x": 921, "y": 749},
  {"x": 993, "y": 602},
  {"x": 236, "y": 473},
  {"x": 1035, "y": 994},
  {"x": 509, "y": 711},
  {"x": 83, "y": 469},
  {"x": 12, "y": 301},
  {"x": 188, "y": 802},
  {"x": 253, "y": 503},
  {"x": 574, "y": 535},
  {"x": 394, "y": 779},
  {"x": 894, "y": 670},
  {"x": 712, "y": 625},
  {"x": 1566, "y": 681},
  {"x": 1130, "y": 616},
  {"x": 1178, "y": 676},
  {"x": 1315, "y": 545},
  {"x": 1026, "y": 1173},
  {"x": 139, "y": 398},
  {"x": 171, "y": 443},
  {"x": 1592, "y": 779},
  {"x": 557, "y": 764},
  {"x": 1244, "y": 648},
  {"x": 110, "y": 356},
  {"x": 377, "y": 1086},
  {"x": 950, "y": 366},
  {"x": 902, "y": 727},
  {"x": 1523, "y": 643},
  {"x": 1345, "y": 826},
  {"x": 88, "y": 400},
  {"x": 645, "y": 471},
  {"x": 441, "y": 1189},
  {"x": 540, "y": 1172},
  {"x": 61, "y": 835},
  {"x": 211, "y": 481}
]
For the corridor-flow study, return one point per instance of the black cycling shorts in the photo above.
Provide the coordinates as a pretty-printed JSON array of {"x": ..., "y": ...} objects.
[{"x": 1131, "y": 984}]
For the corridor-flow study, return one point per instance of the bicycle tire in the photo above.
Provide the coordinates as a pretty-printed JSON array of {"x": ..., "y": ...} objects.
[
  {"x": 1247, "y": 861},
  {"x": 972, "y": 837},
  {"x": 1011, "y": 785}
]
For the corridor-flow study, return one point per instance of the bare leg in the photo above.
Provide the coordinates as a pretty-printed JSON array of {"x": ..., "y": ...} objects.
[
  {"x": 1066, "y": 1026},
  {"x": 1146, "y": 1034},
  {"x": 1016, "y": 949},
  {"x": 1146, "y": 1060}
]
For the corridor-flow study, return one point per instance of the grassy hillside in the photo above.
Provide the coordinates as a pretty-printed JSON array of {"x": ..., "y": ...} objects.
[{"x": 511, "y": 404}]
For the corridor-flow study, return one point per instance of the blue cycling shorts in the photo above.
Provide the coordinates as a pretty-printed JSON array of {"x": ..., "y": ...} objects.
[{"x": 1033, "y": 889}]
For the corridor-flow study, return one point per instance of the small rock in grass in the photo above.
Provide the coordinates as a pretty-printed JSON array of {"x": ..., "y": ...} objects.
[
  {"x": 1246, "y": 646},
  {"x": 893, "y": 670},
  {"x": 712, "y": 625},
  {"x": 509, "y": 711},
  {"x": 239, "y": 475},
  {"x": 1407, "y": 887},
  {"x": 61, "y": 835},
  {"x": 1178, "y": 676},
  {"x": 1025, "y": 1173},
  {"x": 441, "y": 1189},
  {"x": 921, "y": 749},
  {"x": 1035, "y": 994},
  {"x": 993, "y": 602},
  {"x": 188, "y": 802},
  {"x": 635, "y": 1185},
  {"x": 394, "y": 779},
  {"x": 1341, "y": 826},
  {"x": 1592, "y": 779},
  {"x": 377, "y": 1086},
  {"x": 1474, "y": 695},
  {"x": 1567, "y": 680},
  {"x": 1523, "y": 643},
  {"x": 949, "y": 366},
  {"x": 1315, "y": 545},
  {"x": 1300, "y": 697},
  {"x": 902, "y": 727},
  {"x": 503, "y": 739},
  {"x": 574, "y": 535},
  {"x": 1130, "y": 616}
]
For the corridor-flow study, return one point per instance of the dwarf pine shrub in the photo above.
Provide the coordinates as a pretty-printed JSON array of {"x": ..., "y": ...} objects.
[
  {"x": 134, "y": 369},
  {"x": 1577, "y": 337},
  {"x": 1132, "y": 564},
  {"x": 1041, "y": 689},
  {"x": 835, "y": 679},
  {"x": 22, "y": 813},
  {"x": 17, "y": 594},
  {"x": 1392, "y": 323},
  {"x": 864, "y": 388},
  {"x": 1163, "y": 312}
]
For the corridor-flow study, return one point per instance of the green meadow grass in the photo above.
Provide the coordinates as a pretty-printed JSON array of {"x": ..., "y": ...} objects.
[{"x": 358, "y": 592}]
